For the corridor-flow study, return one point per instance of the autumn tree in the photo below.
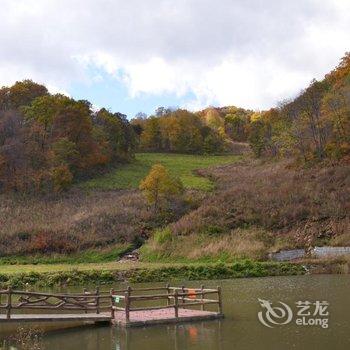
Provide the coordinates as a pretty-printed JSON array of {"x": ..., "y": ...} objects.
[
  {"x": 159, "y": 186},
  {"x": 236, "y": 123},
  {"x": 119, "y": 133},
  {"x": 213, "y": 118},
  {"x": 179, "y": 131},
  {"x": 257, "y": 137},
  {"x": 184, "y": 132},
  {"x": 313, "y": 126},
  {"x": 151, "y": 139},
  {"x": 336, "y": 114},
  {"x": 48, "y": 140},
  {"x": 22, "y": 93},
  {"x": 336, "y": 109}
]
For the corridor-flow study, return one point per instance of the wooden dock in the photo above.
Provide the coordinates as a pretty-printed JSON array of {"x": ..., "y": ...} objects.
[{"x": 127, "y": 308}]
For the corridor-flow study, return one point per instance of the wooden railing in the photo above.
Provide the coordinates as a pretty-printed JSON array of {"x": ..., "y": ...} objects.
[
  {"x": 24, "y": 300},
  {"x": 173, "y": 297}
]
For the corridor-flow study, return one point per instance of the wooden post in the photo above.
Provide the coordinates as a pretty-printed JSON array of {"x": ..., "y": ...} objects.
[
  {"x": 97, "y": 300},
  {"x": 112, "y": 304},
  {"x": 9, "y": 296},
  {"x": 176, "y": 304},
  {"x": 86, "y": 300},
  {"x": 202, "y": 297},
  {"x": 167, "y": 292},
  {"x": 127, "y": 305},
  {"x": 183, "y": 292},
  {"x": 219, "y": 300}
]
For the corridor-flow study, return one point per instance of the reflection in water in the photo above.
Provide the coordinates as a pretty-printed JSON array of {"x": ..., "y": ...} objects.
[
  {"x": 200, "y": 335},
  {"x": 240, "y": 329}
]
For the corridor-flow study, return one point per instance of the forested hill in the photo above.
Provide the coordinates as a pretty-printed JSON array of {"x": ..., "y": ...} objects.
[
  {"x": 47, "y": 140},
  {"x": 209, "y": 131},
  {"x": 312, "y": 127}
]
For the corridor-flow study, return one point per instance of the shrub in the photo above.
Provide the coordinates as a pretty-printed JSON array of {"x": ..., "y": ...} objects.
[{"x": 163, "y": 235}]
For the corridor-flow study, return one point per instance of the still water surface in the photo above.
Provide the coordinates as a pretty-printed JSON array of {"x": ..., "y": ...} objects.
[{"x": 241, "y": 329}]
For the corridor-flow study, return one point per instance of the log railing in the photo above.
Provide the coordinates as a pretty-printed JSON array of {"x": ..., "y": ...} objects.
[
  {"x": 24, "y": 300},
  {"x": 111, "y": 301},
  {"x": 175, "y": 298}
]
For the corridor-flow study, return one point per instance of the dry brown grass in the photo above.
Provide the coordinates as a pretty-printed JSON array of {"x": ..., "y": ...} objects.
[
  {"x": 70, "y": 222},
  {"x": 342, "y": 239},
  {"x": 256, "y": 208},
  {"x": 293, "y": 206},
  {"x": 238, "y": 244}
]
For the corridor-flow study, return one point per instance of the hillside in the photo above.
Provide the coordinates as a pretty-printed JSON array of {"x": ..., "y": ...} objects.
[
  {"x": 69, "y": 176},
  {"x": 260, "y": 207},
  {"x": 104, "y": 216}
]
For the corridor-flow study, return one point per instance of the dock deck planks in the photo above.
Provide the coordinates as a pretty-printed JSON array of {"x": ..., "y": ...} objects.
[{"x": 161, "y": 316}]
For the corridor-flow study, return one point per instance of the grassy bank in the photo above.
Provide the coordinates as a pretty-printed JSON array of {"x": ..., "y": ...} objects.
[
  {"x": 41, "y": 275},
  {"x": 128, "y": 176},
  {"x": 63, "y": 267},
  {"x": 87, "y": 256}
]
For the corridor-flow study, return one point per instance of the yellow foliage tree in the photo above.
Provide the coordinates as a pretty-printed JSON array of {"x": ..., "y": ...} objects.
[
  {"x": 213, "y": 118},
  {"x": 159, "y": 185}
]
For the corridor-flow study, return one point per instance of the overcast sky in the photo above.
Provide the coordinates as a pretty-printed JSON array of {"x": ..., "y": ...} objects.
[{"x": 135, "y": 55}]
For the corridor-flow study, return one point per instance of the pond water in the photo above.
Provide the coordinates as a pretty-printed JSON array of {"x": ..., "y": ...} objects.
[{"x": 241, "y": 328}]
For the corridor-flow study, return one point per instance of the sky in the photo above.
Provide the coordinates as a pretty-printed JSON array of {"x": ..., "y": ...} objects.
[{"x": 136, "y": 55}]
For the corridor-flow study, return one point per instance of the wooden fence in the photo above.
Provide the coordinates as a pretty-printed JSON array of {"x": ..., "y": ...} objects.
[
  {"x": 174, "y": 297},
  {"x": 85, "y": 302},
  {"x": 111, "y": 301}
]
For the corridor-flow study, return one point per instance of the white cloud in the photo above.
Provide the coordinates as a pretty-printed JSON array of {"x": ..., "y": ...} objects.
[
  {"x": 57, "y": 90},
  {"x": 249, "y": 53}
]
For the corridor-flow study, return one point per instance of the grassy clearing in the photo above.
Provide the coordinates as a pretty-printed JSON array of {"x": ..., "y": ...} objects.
[{"x": 128, "y": 176}]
